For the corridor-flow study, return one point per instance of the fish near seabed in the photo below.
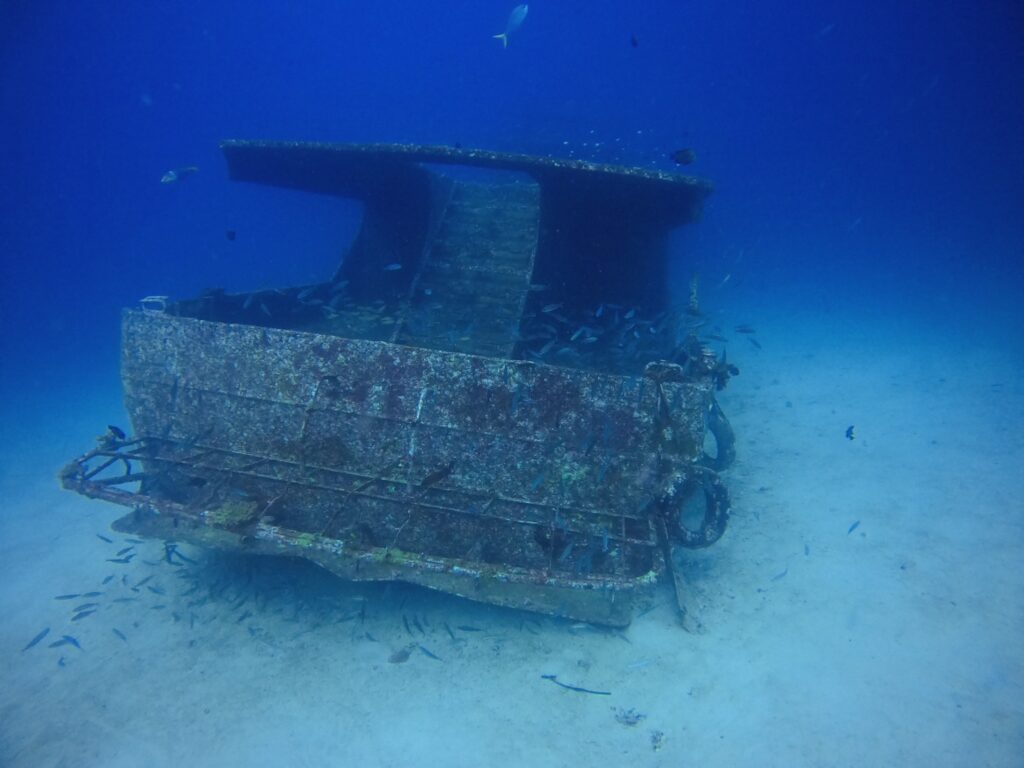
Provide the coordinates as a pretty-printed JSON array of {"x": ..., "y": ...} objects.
[{"x": 515, "y": 21}]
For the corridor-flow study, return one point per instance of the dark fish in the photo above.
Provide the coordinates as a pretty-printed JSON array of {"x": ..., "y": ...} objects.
[
  {"x": 67, "y": 597},
  {"x": 400, "y": 656},
  {"x": 125, "y": 599},
  {"x": 119, "y": 633},
  {"x": 416, "y": 623},
  {"x": 781, "y": 575},
  {"x": 177, "y": 554},
  {"x": 852, "y": 528},
  {"x": 745, "y": 329},
  {"x": 91, "y": 594},
  {"x": 468, "y": 628},
  {"x": 449, "y": 630},
  {"x": 157, "y": 590},
  {"x": 60, "y": 662},
  {"x": 437, "y": 475},
  {"x": 85, "y": 607},
  {"x": 754, "y": 341},
  {"x": 230, "y": 234},
  {"x": 125, "y": 551},
  {"x": 66, "y": 640},
  {"x": 684, "y": 156},
  {"x": 135, "y": 541},
  {"x": 104, "y": 538},
  {"x": 850, "y": 433},
  {"x": 807, "y": 549},
  {"x": 121, "y": 560},
  {"x": 108, "y": 579},
  {"x": 116, "y": 432},
  {"x": 405, "y": 621},
  {"x": 82, "y": 615},
  {"x": 576, "y": 688},
  {"x": 36, "y": 639},
  {"x": 426, "y": 652},
  {"x": 633, "y": 41},
  {"x": 140, "y": 583}
]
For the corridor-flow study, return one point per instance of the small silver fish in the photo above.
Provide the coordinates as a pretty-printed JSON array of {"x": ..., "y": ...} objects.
[
  {"x": 393, "y": 267},
  {"x": 515, "y": 21},
  {"x": 551, "y": 307},
  {"x": 178, "y": 174}
]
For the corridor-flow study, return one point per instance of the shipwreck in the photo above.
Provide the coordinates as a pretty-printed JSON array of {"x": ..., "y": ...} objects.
[{"x": 494, "y": 395}]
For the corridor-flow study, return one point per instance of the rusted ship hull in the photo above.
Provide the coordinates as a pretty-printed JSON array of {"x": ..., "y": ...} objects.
[
  {"x": 491, "y": 396},
  {"x": 502, "y": 481}
]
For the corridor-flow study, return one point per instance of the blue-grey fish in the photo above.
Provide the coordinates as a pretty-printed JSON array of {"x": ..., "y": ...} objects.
[
  {"x": 36, "y": 639},
  {"x": 426, "y": 652},
  {"x": 515, "y": 21},
  {"x": 66, "y": 640}
]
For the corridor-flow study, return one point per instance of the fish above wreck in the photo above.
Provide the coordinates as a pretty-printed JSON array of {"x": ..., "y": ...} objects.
[{"x": 455, "y": 407}]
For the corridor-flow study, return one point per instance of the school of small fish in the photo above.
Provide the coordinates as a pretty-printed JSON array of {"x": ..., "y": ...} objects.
[{"x": 168, "y": 585}]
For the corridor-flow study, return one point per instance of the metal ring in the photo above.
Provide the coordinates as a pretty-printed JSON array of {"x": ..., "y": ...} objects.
[{"x": 716, "y": 508}]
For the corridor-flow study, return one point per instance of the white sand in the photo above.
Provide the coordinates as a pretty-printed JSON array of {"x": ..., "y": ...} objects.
[{"x": 896, "y": 644}]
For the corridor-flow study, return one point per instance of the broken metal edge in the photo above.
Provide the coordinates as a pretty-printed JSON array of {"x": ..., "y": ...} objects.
[{"x": 594, "y": 599}]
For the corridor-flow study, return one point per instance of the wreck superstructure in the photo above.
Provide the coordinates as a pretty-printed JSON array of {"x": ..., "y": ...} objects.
[{"x": 492, "y": 396}]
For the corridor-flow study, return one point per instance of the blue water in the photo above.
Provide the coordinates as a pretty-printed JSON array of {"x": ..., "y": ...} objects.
[{"x": 868, "y": 165}]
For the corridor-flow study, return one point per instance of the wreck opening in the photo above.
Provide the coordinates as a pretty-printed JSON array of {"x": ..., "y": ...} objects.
[{"x": 564, "y": 263}]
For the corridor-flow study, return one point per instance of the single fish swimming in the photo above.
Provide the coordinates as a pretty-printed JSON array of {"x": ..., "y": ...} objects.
[
  {"x": 684, "y": 156},
  {"x": 178, "y": 174},
  {"x": 515, "y": 21},
  {"x": 36, "y": 639}
]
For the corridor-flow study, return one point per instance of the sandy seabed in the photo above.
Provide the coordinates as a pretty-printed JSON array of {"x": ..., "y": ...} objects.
[{"x": 895, "y": 643}]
